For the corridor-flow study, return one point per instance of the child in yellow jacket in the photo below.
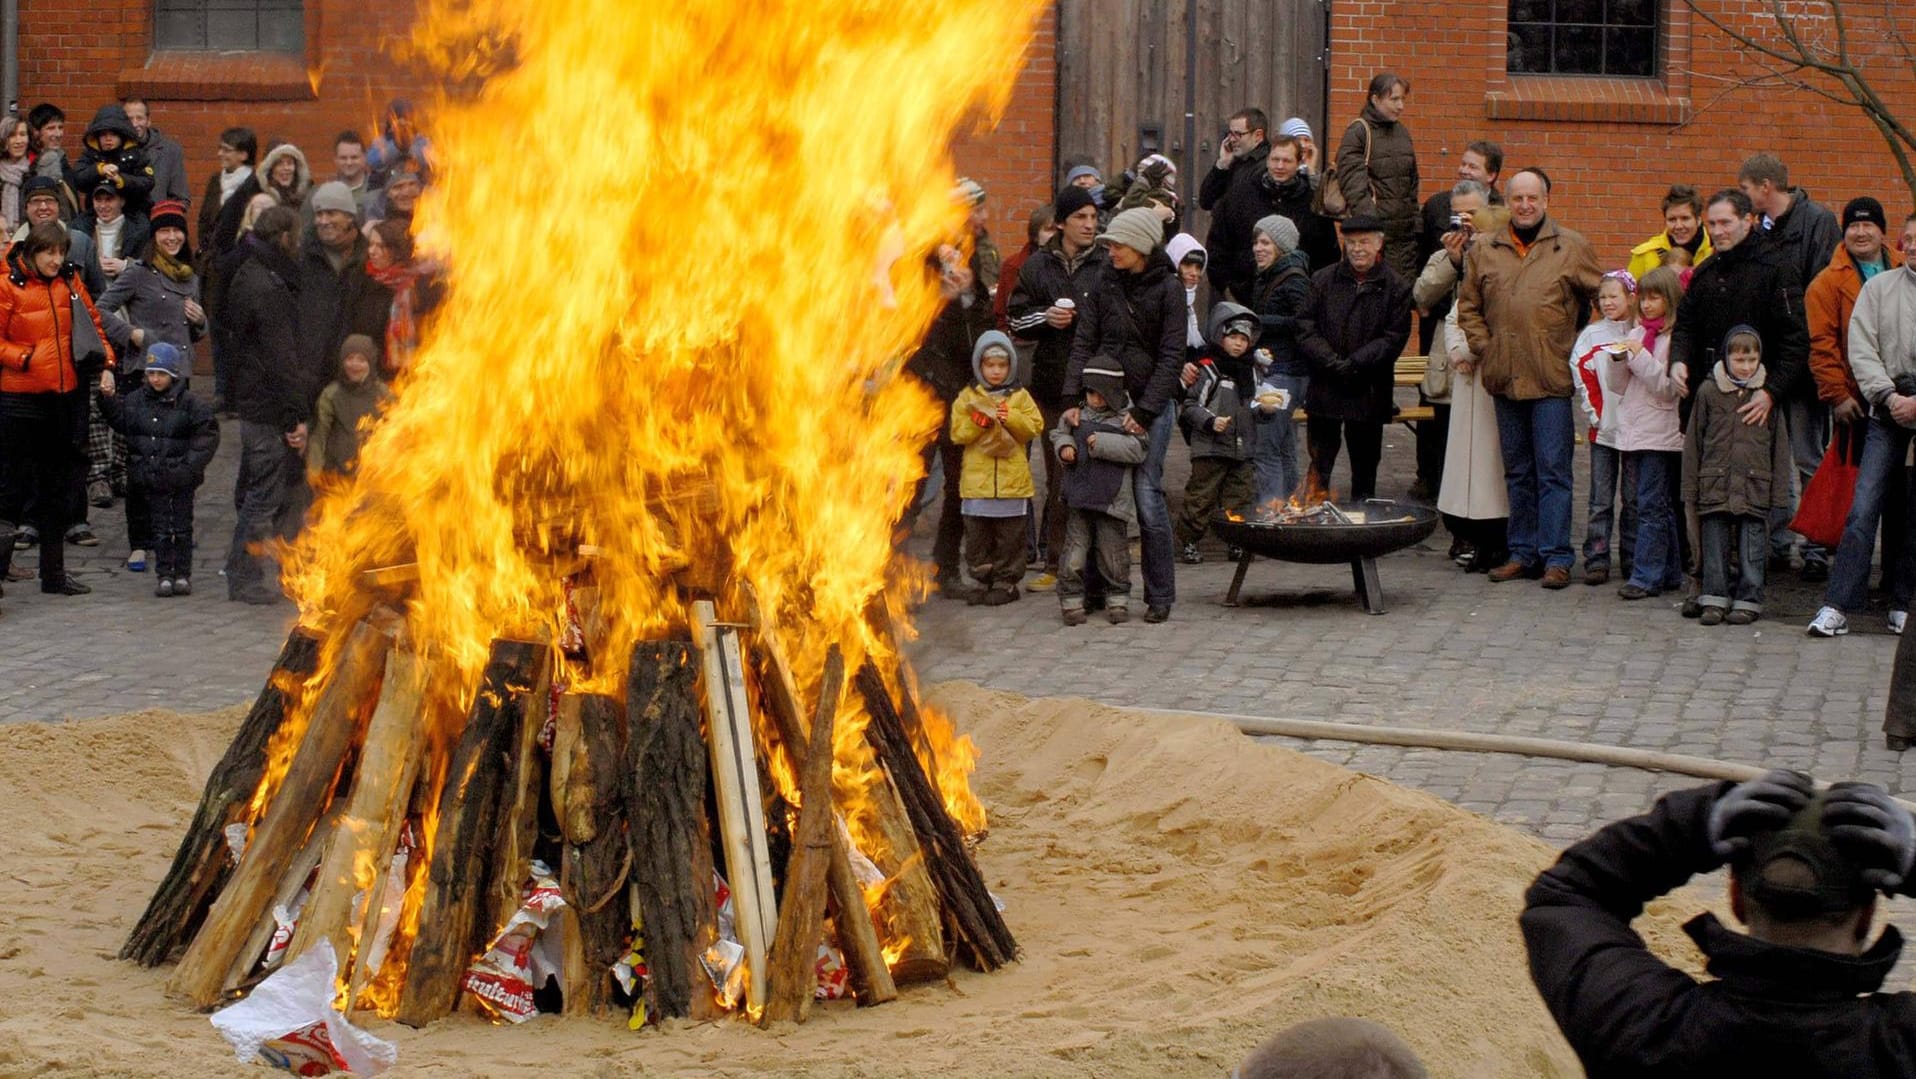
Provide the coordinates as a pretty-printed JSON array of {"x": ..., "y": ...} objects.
[{"x": 995, "y": 419}]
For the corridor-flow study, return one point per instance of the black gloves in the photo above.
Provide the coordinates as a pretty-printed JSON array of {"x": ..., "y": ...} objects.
[
  {"x": 1873, "y": 830},
  {"x": 1764, "y": 804}
]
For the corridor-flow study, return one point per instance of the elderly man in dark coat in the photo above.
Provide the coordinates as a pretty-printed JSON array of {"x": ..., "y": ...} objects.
[{"x": 1358, "y": 319}]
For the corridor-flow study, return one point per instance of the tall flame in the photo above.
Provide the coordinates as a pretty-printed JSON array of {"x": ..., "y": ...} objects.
[{"x": 684, "y": 246}]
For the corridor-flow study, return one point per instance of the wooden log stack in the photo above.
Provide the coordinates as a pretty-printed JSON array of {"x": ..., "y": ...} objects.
[{"x": 382, "y": 823}]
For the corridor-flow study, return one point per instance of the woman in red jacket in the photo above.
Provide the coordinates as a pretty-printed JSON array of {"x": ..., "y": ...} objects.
[{"x": 43, "y": 395}]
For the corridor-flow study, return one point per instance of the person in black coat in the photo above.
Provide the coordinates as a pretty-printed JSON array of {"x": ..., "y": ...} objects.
[
  {"x": 273, "y": 395},
  {"x": 1358, "y": 320},
  {"x": 1287, "y": 192},
  {"x": 943, "y": 364},
  {"x": 1799, "y": 996},
  {"x": 171, "y": 436},
  {"x": 1229, "y": 192},
  {"x": 1137, "y": 315},
  {"x": 112, "y": 155},
  {"x": 1748, "y": 281}
]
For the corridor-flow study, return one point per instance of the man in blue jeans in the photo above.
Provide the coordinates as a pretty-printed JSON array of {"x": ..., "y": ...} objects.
[
  {"x": 1524, "y": 292},
  {"x": 1882, "y": 356}
]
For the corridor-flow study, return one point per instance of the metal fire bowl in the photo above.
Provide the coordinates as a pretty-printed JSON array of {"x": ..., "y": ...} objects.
[{"x": 1383, "y": 531}]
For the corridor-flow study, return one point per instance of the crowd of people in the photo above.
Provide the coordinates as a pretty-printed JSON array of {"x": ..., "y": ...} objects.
[
  {"x": 1708, "y": 375},
  {"x": 305, "y": 294}
]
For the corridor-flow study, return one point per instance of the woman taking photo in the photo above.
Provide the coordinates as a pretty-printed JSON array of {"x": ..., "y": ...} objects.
[
  {"x": 159, "y": 296},
  {"x": 44, "y": 390}
]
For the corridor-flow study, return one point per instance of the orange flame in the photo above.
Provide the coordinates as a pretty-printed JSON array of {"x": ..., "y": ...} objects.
[{"x": 682, "y": 247}]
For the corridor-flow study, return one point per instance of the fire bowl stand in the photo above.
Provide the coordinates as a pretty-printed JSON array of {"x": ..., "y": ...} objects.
[{"x": 1363, "y": 577}]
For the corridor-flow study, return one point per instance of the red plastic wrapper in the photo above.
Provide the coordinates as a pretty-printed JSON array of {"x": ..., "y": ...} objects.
[{"x": 504, "y": 978}]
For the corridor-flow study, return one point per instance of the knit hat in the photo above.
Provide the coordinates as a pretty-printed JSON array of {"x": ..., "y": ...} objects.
[
  {"x": 968, "y": 191},
  {"x": 161, "y": 356},
  {"x": 359, "y": 344},
  {"x": 1281, "y": 230},
  {"x": 336, "y": 196},
  {"x": 1865, "y": 208},
  {"x": 1138, "y": 229},
  {"x": 168, "y": 214},
  {"x": 1822, "y": 880},
  {"x": 1156, "y": 169},
  {"x": 1361, "y": 223},
  {"x": 1296, "y": 128},
  {"x": 1070, "y": 200},
  {"x": 1084, "y": 170},
  {"x": 1104, "y": 377}
]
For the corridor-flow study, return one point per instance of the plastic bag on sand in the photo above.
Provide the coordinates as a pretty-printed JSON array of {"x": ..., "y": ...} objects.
[{"x": 289, "y": 1022}]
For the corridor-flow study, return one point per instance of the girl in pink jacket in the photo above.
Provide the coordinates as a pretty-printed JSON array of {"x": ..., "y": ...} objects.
[{"x": 1648, "y": 434}]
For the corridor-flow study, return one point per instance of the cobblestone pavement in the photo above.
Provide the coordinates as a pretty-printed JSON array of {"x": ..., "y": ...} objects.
[{"x": 1454, "y": 652}]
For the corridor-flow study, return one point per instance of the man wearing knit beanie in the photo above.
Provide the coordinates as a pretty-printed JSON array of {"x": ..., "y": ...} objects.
[{"x": 1137, "y": 314}]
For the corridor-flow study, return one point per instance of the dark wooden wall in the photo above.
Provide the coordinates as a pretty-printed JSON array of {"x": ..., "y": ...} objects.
[{"x": 1122, "y": 67}]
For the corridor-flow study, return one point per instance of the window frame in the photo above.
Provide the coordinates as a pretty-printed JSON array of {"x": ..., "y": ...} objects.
[
  {"x": 1659, "y": 28},
  {"x": 292, "y": 12}
]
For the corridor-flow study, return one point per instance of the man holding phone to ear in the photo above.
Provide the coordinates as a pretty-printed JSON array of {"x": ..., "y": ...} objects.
[{"x": 1229, "y": 193}]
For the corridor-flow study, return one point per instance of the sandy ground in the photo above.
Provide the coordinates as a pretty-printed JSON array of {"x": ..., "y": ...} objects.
[{"x": 1180, "y": 892}]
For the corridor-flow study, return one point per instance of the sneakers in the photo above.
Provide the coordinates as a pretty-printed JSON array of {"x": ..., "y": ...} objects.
[
  {"x": 100, "y": 494},
  {"x": 81, "y": 535},
  {"x": 1711, "y": 616},
  {"x": 1188, "y": 554},
  {"x": 164, "y": 588},
  {"x": 182, "y": 586},
  {"x": 1043, "y": 582},
  {"x": 1117, "y": 616},
  {"x": 28, "y": 537},
  {"x": 1075, "y": 616},
  {"x": 136, "y": 562},
  {"x": 65, "y": 587},
  {"x": 999, "y": 595},
  {"x": 1895, "y": 621},
  {"x": 1829, "y": 622}
]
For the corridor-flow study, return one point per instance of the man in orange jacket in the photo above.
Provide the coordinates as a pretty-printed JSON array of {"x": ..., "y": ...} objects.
[{"x": 1831, "y": 297}]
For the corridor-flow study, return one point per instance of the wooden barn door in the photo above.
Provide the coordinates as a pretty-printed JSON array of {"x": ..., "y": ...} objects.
[{"x": 1136, "y": 76}]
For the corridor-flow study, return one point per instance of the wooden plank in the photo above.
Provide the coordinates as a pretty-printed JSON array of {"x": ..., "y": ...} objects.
[
  {"x": 203, "y": 863},
  {"x": 741, "y": 812},
  {"x": 970, "y": 911},
  {"x": 666, "y": 761},
  {"x": 870, "y": 978},
  {"x": 215, "y": 958},
  {"x": 375, "y": 809},
  {"x": 801, "y": 916},
  {"x": 531, "y": 695},
  {"x": 472, "y": 811},
  {"x": 597, "y": 856}
]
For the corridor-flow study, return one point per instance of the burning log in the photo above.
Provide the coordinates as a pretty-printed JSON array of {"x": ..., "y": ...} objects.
[
  {"x": 972, "y": 913},
  {"x": 589, "y": 795},
  {"x": 203, "y": 863},
  {"x": 741, "y": 812},
  {"x": 476, "y": 805},
  {"x": 800, "y": 919},
  {"x": 871, "y": 979},
  {"x": 671, "y": 841},
  {"x": 375, "y": 809},
  {"x": 216, "y": 958}
]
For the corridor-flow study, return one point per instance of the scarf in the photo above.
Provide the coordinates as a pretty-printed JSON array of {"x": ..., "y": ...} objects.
[
  {"x": 12, "y": 175},
  {"x": 1651, "y": 328},
  {"x": 231, "y": 181},
  {"x": 402, "y": 334},
  {"x": 176, "y": 271}
]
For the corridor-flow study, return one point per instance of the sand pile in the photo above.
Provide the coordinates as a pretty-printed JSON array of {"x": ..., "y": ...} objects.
[{"x": 1180, "y": 892}]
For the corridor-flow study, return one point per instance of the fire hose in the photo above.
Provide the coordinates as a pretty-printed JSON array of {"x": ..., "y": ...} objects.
[{"x": 1478, "y": 742}]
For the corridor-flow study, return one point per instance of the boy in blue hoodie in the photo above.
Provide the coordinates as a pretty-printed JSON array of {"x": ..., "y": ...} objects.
[
  {"x": 1099, "y": 459},
  {"x": 994, "y": 420},
  {"x": 1217, "y": 423}
]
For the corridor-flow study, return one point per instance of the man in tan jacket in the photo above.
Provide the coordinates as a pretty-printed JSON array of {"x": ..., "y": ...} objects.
[{"x": 1524, "y": 292}]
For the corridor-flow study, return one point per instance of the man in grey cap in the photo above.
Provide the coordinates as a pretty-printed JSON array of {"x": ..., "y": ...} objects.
[{"x": 1799, "y": 995}]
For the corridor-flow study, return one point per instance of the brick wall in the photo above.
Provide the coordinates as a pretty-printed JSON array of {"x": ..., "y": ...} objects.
[
  {"x": 1613, "y": 147},
  {"x": 82, "y": 56},
  {"x": 1014, "y": 160}
]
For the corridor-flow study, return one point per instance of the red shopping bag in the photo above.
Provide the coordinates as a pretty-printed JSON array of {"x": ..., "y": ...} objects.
[{"x": 1824, "y": 507}]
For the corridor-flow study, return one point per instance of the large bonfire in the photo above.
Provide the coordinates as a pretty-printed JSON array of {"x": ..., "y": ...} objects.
[{"x": 619, "y": 563}]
